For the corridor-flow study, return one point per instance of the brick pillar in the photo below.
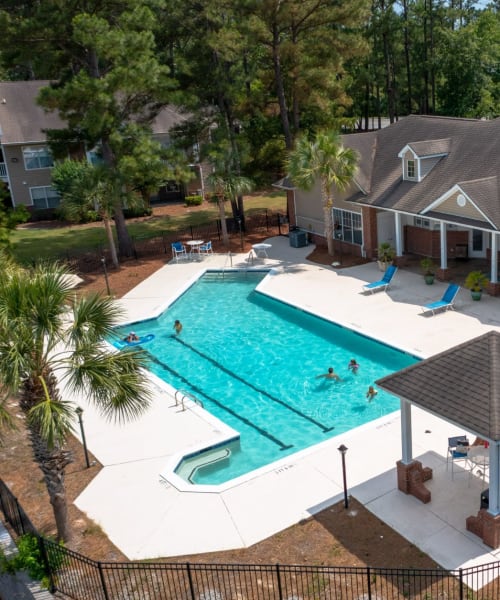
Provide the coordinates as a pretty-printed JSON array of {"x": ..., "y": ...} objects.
[
  {"x": 443, "y": 274},
  {"x": 486, "y": 526},
  {"x": 369, "y": 219},
  {"x": 493, "y": 289},
  {"x": 411, "y": 479}
]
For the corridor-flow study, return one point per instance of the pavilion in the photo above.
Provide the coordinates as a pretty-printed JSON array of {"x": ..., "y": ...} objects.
[{"x": 462, "y": 386}]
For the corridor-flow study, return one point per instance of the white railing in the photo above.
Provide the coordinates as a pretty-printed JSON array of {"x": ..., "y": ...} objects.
[{"x": 3, "y": 171}]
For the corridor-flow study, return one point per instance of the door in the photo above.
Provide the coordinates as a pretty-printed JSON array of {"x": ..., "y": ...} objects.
[{"x": 477, "y": 244}]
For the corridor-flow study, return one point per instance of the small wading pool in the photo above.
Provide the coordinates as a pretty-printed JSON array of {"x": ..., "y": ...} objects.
[{"x": 252, "y": 362}]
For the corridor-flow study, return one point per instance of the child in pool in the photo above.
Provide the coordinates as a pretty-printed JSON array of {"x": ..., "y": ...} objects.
[
  {"x": 353, "y": 366},
  {"x": 371, "y": 393}
]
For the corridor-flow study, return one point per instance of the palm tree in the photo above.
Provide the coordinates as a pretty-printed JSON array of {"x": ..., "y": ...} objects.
[
  {"x": 48, "y": 336},
  {"x": 85, "y": 187},
  {"x": 323, "y": 158},
  {"x": 227, "y": 186}
]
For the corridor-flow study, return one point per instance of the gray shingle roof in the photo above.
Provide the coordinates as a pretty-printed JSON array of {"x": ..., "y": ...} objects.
[
  {"x": 431, "y": 147},
  {"x": 472, "y": 153},
  {"x": 461, "y": 384},
  {"x": 23, "y": 121}
]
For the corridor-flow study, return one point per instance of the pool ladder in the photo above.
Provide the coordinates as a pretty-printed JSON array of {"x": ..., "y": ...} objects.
[{"x": 181, "y": 396}]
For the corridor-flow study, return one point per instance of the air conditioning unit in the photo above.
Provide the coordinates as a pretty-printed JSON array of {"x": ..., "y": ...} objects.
[{"x": 298, "y": 238}]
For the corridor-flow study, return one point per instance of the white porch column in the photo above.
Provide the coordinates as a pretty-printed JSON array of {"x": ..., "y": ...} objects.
[
  {"x": 399, "y": 234},
  {"x": 494, "y": 502},
  {"x": 494, "y": 258},
  {"x": 444, "y": 253},
  {"x": 406, "y": 443}
]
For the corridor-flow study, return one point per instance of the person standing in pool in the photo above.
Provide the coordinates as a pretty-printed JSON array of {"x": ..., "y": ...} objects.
[
  {"x": 177, "y": 327},
  {"x": 330, "y": 375},
  {"x": 353, "y": 366},
  {"x": 371, "y": 393}
]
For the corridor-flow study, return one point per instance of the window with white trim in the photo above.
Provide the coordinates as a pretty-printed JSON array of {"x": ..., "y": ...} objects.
[
  {"x": 419, "y": 222},
  {"x": 44, "y": 197},
  {"x": 410, "y": 169},
  {"x": 37, "y": 157},
  {"x": 347, "y": 226}
]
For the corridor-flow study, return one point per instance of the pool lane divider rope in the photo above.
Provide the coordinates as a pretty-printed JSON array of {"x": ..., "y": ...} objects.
[
  {"x": 254, "y": 387},
  {"x": 198, "y": 390}
]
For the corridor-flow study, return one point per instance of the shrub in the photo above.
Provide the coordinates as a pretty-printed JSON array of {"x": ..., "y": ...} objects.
[
  {"x": 29, "y": 558},
  {"x": 194, "y": 200},
  {"x": 137, "y": 211}
]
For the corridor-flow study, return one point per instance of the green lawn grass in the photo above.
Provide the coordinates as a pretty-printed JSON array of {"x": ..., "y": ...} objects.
[{"x": 45, "y": 242}]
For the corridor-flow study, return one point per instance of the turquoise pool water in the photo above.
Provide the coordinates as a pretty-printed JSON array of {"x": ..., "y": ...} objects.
[{"x": 252, "y": 361}]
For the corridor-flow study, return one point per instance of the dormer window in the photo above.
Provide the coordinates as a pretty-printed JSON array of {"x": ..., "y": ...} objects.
[
  {"x": 419, "y": 158},
  {"x": 410, "y": 169}
]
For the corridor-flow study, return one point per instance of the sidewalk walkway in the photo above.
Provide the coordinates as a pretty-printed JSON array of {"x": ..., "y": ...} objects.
[{"x": 19, "y": 586}]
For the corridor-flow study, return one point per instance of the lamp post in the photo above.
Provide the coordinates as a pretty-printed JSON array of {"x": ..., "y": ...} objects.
[
  {"x": 79, "y": 412},
  {"x": 343, "y": 449},
  {"x": 103, "y": 260}
]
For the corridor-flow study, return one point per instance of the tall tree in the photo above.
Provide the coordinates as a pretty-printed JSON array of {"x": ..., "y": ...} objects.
[
  {"x": 228, "y": 185},
  {"x": 120, "y": 84},
  {"x": 324, "y": 159},
  {"x": 307, "y": 44},
  {"x": 48, "y": 336}
]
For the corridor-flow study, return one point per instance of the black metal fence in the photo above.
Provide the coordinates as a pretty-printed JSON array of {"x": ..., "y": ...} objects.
[
  {"x": 75, "y": 576},
  {"x": 267, "y": 222},
  {"x": 14, "y": 513},
  {"x": 84, "y": 579}
]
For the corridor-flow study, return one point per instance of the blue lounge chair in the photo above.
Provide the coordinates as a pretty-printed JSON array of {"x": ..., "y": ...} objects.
[
  {"x": 446, "y": 301},
  {"x": 383, "y": 283}
]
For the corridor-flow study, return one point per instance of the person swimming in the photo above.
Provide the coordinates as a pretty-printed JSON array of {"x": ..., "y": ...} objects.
[
  {"x": 132, "y": 337},
  {"x": 371, "y": 393},
  {"x": 329, "y": 375},
  {"x": 177, "y": 326}
]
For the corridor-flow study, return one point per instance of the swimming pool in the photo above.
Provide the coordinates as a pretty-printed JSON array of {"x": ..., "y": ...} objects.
[{"x": 252, "y": 362}]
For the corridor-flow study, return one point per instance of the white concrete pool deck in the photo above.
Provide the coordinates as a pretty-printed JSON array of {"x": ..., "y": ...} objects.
[{"x": 147, "y": 516}]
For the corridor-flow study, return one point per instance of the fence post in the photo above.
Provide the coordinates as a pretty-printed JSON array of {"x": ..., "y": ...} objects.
[
  {"x": 280, "y": 587},
  {"x": 164, "y": 242},
  {"x": 267, "y": 221},
  {"x": 103, "y": 581},
  {"x": 19, "y": 515},
  {"x": 369, "y": 582},
  {"x": 190, "y": 580},
  {"x": 461, "y": 583},
  {"x": 46, "y": 562}
]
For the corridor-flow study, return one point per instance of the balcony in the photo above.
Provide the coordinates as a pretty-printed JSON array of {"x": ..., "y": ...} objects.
[{"x": 3, "y": 171}]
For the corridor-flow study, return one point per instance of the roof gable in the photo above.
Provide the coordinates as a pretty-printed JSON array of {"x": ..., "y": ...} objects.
[{"x": 456, "y": 202}]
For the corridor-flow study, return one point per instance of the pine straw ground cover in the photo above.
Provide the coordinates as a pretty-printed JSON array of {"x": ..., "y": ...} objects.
[{"x": 334, "y": 537}]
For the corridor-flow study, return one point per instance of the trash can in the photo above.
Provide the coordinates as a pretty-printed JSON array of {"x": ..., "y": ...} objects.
[
  {"x": 298, "y": 238},
  {"x": 485, "y": 498}
]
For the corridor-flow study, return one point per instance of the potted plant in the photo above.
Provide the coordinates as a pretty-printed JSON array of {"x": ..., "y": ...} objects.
[
  {"x": 476, "y": 281},
  {"x": 429, "y": 269},
  {"x": 386, "y": 254}
]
